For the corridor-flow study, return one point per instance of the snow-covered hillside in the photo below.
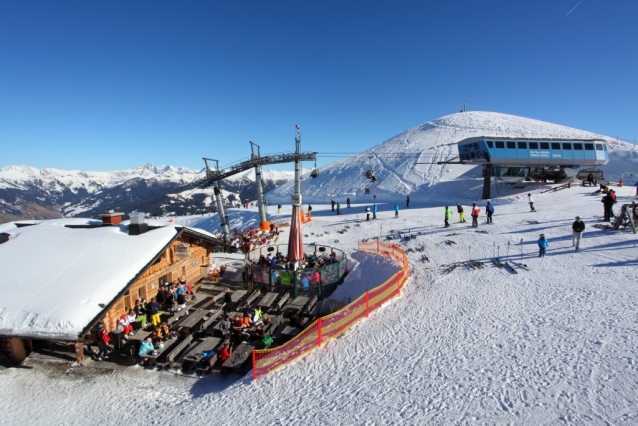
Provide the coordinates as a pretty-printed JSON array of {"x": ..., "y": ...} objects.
[
  {"x": 553, "y": 343},
  {"x": 393, "y": 161}
]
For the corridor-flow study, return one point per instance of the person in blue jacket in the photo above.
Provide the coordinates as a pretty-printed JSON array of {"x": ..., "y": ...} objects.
[
  {"x": 374, "y": 211},
  {"x": 396, "y": 210},
  {"x": 542, "y": 245},
  {"x": 146, "y": 345}
]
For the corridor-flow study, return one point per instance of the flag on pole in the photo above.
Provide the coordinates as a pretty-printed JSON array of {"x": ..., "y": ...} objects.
[{"x": 298, "y": 130}]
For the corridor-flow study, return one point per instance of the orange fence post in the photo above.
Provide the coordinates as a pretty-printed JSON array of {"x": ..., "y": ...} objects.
[
  {"x": 367, "y": 305},
  {"x": 319, "y": 332},
  {"x": 254, "y": 365}
]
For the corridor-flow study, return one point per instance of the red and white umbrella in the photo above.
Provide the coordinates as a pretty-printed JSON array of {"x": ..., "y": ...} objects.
[{"x": 295, "y": 239}]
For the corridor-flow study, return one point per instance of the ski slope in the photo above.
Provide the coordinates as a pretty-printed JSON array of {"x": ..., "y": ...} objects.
[{"x": 557, "y": 343}]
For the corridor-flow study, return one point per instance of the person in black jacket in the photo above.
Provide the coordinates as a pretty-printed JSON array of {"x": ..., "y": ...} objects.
[
  {"x": 228, "y": 301},
  {"x": 578, "y": 227},
  {"x": 459, "y": 209},
  {"x": 608, "y": 202}
]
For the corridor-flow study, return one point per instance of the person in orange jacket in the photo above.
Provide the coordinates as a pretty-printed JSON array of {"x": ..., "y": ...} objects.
[{"x": 476, "y": 210}]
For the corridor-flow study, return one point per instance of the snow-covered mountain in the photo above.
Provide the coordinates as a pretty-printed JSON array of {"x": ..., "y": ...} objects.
[
  {"x": 28, "y": 193},
  {"x": 394, "y": 161}
]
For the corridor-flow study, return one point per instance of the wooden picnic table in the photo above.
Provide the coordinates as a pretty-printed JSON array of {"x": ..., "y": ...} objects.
[
  {"x": 235, "y": 296},
  {"x": 239, "y": 357},
  {"x": 193, "y": 318},
  {"x": 207, "y": 344},
  {"x": 286, "y": 331},
  {"x": 296, "y": 303},
  {"x": 268, "y": 300}
]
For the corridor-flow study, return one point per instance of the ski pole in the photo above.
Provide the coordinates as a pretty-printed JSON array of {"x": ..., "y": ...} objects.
[
  {"x": 521, "y": 250},
  {"x": 508, "y": 251}
]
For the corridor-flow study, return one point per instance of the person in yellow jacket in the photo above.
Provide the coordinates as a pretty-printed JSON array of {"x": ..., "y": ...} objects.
[{"x": 448, "y": 215}]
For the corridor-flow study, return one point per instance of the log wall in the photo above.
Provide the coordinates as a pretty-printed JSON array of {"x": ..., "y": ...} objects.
[{"x": 170, "y": 267}]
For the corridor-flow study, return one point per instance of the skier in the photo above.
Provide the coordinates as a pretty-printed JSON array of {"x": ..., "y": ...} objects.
[
  {"x": 590, "y": 179},
  {"x": 475, "y": 214},
  {"x": 396, "y": 210},
  {"x": 530, "y": 201},
  {"x": 338, "y": 208},
  {"x": 407, "y": 201},
  {"x": 459, "y": 209},
  {"x": 578, "y": 227},
  {"x": 278, "y": 208},
  {"x": 348, "y": 201},
  {"x": 367, "y": 212},
  {"x": 542, "y": 245},
  {"x": 374, "y": 211},
  {"x": 448, "y": 215},
  {"x": 489, "y": 210},
  {"x": 333, "y": 205},
  {"x": 309, "y": 210}
]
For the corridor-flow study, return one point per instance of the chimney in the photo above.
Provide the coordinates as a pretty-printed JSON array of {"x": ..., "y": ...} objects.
[
  {"x": 138, "y": 225},
  {"x": 111, "y": 218}
]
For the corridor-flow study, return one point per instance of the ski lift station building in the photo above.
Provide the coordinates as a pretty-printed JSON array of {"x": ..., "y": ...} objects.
[{"x": 532, "y": 158}]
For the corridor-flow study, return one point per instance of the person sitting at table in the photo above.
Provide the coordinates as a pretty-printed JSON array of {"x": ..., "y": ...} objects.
[
  {"x": 266, "y": 319},
  {"x": 259, "y": 333},
  {"x": 247, "y": 320},
  {"x": 305, "y": 284},
  {"x": 238, "y": 329},
  {"x": 164, "y": 332},
  {"x": 224, "y": 353},
  {"x": 255, "y": 318},
  {"x": 146, "y": 345},
  {"x": 132, "y": 319},
  {"x": 125, "y": 325},
  {"x": 224, "y": 326}
]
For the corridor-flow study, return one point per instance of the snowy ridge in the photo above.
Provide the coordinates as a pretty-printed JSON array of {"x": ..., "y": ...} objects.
[{"x": 393, "y": 161}]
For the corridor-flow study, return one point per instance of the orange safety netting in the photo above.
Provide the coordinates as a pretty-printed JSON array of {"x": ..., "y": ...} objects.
[{"x": 333, "y": 325}]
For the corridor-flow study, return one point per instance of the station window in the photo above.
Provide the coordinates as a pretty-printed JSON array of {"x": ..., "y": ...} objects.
[
  {"x": 589, "y": 147},
  {"x": 511, "y": 145},
  {"x": 555, "y": 145},
  {"x": 533, "y": 145},
  {"x": 578, "y": 146},
  {"x": 599, "y": 147},
  {"x": 500, "y": 144},
  {"x": 489, "y": 144},
  {"x": 544, "y": 145},
  {"x": 567, "y": 145},
  {"x": 522, "y": 145}
]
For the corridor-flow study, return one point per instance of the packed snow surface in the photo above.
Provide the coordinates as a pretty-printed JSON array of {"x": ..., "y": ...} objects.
[{"x": 557, "y": 343}]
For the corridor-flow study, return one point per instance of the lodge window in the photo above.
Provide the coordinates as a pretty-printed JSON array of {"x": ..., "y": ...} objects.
[
  {"x": 567, "y": 145},
  {"x": 555, "y": 145},
  {"x": 500, "y": 144},
  {"x": 522, "y": 145},
  {"x": 511, "y": 145},
  {"x": 163, "y": 280},
  {"x": 544, "y": 145}
]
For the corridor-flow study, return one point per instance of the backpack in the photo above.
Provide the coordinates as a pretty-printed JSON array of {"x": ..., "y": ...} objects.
[{"x": 490, "y": 208}]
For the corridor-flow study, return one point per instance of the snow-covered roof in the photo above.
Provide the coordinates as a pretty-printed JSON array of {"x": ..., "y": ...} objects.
[{"x": 56, "y": 279}]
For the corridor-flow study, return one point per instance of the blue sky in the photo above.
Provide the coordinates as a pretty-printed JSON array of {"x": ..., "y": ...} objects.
[{"x": 97, "y": 85}]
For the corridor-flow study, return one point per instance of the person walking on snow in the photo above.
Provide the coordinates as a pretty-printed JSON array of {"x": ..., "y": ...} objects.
[
  {"x": 542, "y": 245},
  {"x": 459, "y": 209},
  {"x": 348, "y": 202},
  {"x": 489, "y": 210},
  {"x": 309, "y": 210},
  {"x": 407, "y": 201},
  {"x": 396, "y": 210},
  {"x": 448, "y": 215},
  {"x": 278, "y": 208},
  {"x": 475, "y": 214},
  {"x": 333, "y": 205},
  {"x": 530, "y": 201},
  {"x": 578, "y": 227},
  {"x": 608, "y": 202},
  {"x": 338, "y": 208},
  {"x": 367, "y": 212},
  {"x": 374, "y": 211}
]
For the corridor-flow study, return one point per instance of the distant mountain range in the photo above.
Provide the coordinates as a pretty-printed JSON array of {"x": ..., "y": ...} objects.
[{"x": 30, "y": 193}]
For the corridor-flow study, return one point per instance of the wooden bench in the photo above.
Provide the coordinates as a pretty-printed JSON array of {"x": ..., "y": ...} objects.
[
  {"x": 255, "y": 294},
  {"x": 193, "y": 318},
  {"x": 238, "y": 359},
  {"x": 178, "y": 349},
  {"x": 213, "y": 317},
  {"x": 310, "y": 305},
  {"x": 281, "y": 302},
  {"x": 285, "y": 331},
  {"x": 295, "y": 305}
]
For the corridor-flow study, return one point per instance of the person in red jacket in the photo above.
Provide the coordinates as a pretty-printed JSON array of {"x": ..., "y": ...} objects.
[
  {"x": 476, "y": 210},
  {"x": 224, "y": 353},
  {"x": 103, "y": 341}
]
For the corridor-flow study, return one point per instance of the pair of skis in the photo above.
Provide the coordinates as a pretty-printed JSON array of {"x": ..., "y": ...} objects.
[{"x": 504, "y": 265}]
